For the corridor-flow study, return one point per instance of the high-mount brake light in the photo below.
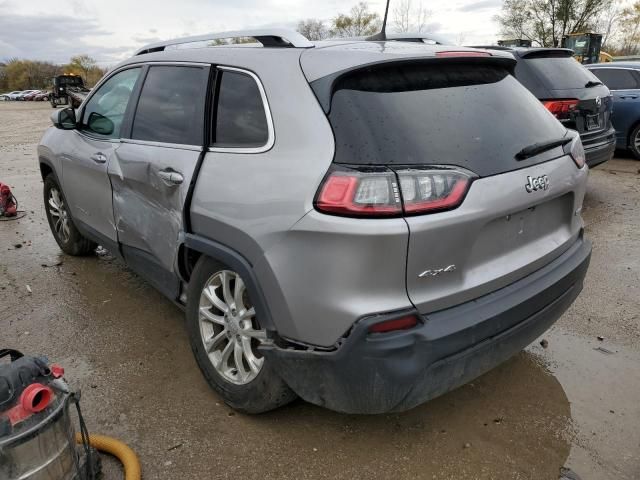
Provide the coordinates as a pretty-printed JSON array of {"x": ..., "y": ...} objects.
[
  {"x": 462, "y": 53},
  {"x": 577, "y": 152},
  {"x": 562, "y": 109},
  {"x": 402, "y": 323},
  {"x": 376, "y": 192}
]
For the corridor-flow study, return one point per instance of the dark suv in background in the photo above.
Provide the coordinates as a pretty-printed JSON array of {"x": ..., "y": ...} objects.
[{"x": 572, "y": 93}]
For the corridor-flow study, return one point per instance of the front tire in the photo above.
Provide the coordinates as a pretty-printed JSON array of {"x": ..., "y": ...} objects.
[
  {"x": 634, "y": 142},
  {"x": 224, "y": 335},
  {"x": 61, "y": 223}
]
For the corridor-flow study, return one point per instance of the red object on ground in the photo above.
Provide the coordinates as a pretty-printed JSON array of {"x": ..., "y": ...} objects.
[
  {"x": 8, "y": 206},
  {"x": 57, "y": 371}
]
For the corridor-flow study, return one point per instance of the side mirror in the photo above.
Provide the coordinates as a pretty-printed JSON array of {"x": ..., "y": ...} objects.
[
  {"x": 64, "y": 119},
  {"x": 100, "y": 124}
]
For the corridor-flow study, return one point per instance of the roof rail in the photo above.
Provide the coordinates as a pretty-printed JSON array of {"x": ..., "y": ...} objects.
[{"x": 275, "y": 37}]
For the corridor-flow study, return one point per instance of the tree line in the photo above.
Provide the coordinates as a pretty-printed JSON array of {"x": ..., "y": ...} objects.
[
  {"x": 19, "y": 74},
  {"x": 545, "y": 22}
]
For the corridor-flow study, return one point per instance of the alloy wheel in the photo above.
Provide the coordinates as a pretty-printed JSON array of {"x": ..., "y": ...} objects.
[
  {"x": 228, "y": 328},
  {"x": 59, "y": 215}
]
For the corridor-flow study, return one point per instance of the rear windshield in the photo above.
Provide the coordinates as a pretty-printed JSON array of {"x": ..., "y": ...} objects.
[
  {"x": 560, "y": 73},
  {"x": 473, "y": 116}
]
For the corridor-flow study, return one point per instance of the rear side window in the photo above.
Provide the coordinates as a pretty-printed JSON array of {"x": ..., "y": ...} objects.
[
  {"x": 241, "y": 120},
  {"x": 470, "y": 115},
  {"x": 560, "y": 73},
  {"x": 171, "y": 105},
  {"x": 617, "y": 78}
]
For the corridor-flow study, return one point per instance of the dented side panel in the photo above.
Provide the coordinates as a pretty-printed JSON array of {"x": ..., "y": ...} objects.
[{"x": 147, "y": 207}]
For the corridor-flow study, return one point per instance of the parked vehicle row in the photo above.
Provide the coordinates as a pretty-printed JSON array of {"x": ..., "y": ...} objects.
[
  {"x": 363, "y": 224},
  {"x": 26, "y": 95},
  {"x": 623, "y": 79}
]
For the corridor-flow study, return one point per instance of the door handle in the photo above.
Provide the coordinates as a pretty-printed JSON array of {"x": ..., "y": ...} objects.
[
  {"x": 99, "y": 157},
  {"x": 171, "y": 177}
]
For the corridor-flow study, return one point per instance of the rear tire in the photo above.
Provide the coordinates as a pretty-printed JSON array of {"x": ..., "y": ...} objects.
[
  {"x": 634, "y": 142},
  {"x": 64, "y": 231},
  {"x": 253, "y": 386}
]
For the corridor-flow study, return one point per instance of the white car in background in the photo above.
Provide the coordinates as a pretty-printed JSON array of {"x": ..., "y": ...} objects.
[{"x": 11, "y": 95}]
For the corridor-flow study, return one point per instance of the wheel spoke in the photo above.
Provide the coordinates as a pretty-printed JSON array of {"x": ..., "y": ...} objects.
[
  {"x": 205, "y": 314},
  {"x": 258, "y": 334},
  {"x": 249, "y": 314},
  {"x": 65, "y": 230},
  {"x": 254, "y": 362},
  {"x": 53, "y": 204},
  {"x": 210, "y": 294},
  {"x": 238, "y": 354},
  {"x": 226, "y": 353},
  {"x": 226, "y": 289},
  {"x": 54, "y": 213},
  {"x": 215, "y": 340},
  {"x": 238, "y": 291}
]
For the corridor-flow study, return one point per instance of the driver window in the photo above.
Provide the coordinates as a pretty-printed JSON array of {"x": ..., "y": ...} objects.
[{"x": 105, "y": 111}]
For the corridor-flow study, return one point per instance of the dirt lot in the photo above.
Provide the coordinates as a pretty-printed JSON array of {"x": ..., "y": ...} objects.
[{"x": 125, "y": 346}]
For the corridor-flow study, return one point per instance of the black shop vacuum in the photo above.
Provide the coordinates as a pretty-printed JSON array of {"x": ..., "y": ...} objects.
[{"x": 37, "y": 437}]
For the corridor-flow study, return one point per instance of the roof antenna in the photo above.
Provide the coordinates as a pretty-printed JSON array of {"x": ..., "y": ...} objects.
[{"x": 382, "y": 36}]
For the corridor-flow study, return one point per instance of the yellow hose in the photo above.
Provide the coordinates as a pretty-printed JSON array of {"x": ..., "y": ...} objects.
[{"x": 119, "y": 450}]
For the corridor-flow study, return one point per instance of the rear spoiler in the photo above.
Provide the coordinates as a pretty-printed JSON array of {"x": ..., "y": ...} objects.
[
  {"x": 545, "y": 53},
  {"x": 323, "y": 87}
]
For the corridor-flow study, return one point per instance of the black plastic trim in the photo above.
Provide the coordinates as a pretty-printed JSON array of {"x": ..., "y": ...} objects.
[{"x": 240, "y": 264}]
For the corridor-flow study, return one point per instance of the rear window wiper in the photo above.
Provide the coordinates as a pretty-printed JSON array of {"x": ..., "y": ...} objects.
[
  {"x": 591, "y": 83},
  {"x": 536, "y": 148}
]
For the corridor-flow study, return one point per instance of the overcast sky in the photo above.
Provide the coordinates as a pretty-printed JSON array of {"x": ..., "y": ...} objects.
[{"x": 110, "y": 30}]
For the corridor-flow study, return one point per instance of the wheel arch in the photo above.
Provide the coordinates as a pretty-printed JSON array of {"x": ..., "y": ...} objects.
[{"x": 194, "y": 246}]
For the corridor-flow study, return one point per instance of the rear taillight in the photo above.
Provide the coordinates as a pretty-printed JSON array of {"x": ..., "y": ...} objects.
[
  {"x": 402, "y": 323},
  {"x": 367, "y": 193},
  {"x": 562, "y": 109},
  {"x": 432, "y": 190},
  {"x": 381, "y": 192},
  {"x": 577, "y": 151}
]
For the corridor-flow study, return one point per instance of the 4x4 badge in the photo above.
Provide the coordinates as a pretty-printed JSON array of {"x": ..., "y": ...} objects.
[{"x": 537, "y": 183}]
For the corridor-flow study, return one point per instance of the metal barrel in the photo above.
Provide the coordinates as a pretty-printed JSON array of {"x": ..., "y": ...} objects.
[{"x": 44, "y": 448}]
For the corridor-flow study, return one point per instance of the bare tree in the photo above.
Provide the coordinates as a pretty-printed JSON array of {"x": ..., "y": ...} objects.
[
  {"x": 410, "y": 17},
  {"x": 630, "y": 30},
  {"x": 313, "y": 29},
  {"x": 359, "y": 22},
  {"x": 545, "y": 22}
]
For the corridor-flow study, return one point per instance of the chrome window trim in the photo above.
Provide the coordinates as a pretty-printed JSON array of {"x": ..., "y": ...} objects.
[
  {"x": 177, "y": 146},
  {"x": 271, "y": 137}
]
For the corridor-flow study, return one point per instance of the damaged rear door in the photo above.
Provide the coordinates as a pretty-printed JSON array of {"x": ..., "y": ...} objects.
[{"x": 153, "y": 168}]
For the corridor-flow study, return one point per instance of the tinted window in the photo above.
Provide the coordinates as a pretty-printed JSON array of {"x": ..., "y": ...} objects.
[
  {"x": 560, "y": 73},
  {"x": 473, "y": 116},
  {"x": 105, "y": 110},
  {"x": 241, "y": 120},
  {"x": 616, "y": 79},
  {"x": 171, "y": 106}
]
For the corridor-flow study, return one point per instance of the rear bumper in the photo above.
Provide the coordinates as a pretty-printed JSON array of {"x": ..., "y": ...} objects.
[
  {"x": 599, "y": 149},
  {"x": 400, "y": 370}
]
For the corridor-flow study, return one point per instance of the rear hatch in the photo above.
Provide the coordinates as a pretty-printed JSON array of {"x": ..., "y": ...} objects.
[
  {"x": 571, "y": 92},
  {"x": 426, "y": 120}
]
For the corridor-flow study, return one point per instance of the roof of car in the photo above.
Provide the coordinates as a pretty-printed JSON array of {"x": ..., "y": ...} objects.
[
  {"x": 318, "y": 59},
  {"x": 634, "y": 65}
]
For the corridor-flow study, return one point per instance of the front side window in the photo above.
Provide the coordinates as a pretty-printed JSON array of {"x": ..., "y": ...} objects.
[
  {"x": 616, "y": 79},
  {"x": 171, "y": 105},
  {"x": 241, "y": 120},
  {"x": 105, "y": 110}
]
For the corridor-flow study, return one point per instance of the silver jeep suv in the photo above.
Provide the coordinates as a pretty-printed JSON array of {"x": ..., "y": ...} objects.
[{"x": 363, "y": 224}]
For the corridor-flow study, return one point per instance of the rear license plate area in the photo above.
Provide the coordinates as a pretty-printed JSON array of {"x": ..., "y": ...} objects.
[{"x": 592, "y": 122}]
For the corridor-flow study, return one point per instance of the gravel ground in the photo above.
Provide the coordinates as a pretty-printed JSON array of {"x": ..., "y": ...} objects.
[{"x": 567, "y": 405}]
